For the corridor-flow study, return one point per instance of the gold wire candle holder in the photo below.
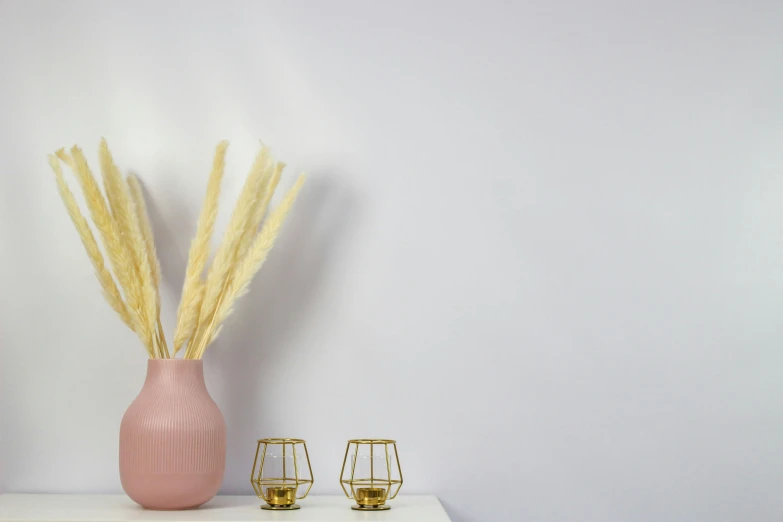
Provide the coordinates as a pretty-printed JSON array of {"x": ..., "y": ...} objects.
[
  {"x": 276, "y": 476},
  {"x": 372, "y": 473}
]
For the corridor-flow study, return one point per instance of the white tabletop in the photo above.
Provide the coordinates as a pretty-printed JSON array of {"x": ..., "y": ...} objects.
[{"x": 119, "y": 508}]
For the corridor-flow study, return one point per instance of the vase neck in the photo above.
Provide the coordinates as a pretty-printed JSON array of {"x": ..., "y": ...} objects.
[{"x": 175, "y": 373}]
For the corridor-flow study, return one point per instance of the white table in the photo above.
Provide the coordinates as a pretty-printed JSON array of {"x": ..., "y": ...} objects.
[{"x": 119, "y": 508}]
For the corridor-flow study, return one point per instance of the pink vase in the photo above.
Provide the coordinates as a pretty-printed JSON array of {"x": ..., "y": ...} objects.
[{"x": 172, "y": 439}]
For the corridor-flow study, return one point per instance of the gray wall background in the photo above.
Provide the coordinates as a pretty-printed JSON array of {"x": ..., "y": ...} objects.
[{"x": 547, "y": 235}]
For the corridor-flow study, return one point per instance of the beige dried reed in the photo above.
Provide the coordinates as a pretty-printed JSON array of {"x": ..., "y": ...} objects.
[
  {"x": 246, "y": 267},
  {"x": 269, "y": 184},
  {"x": 110, "y": 290},
  {"x": 137, "y": 195},
  {"x": 193, "y": 287},
  {"x": 131, "y": 287},
  {"x": 124, "y": 212},
  {"x": 225, "y": 256},
  {"x": 114, "y": 244}
]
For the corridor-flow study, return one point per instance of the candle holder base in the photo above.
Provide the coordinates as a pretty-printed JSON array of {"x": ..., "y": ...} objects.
[
  {"x": 382, "y": 507},
  {"x": 272, "y": 507}
]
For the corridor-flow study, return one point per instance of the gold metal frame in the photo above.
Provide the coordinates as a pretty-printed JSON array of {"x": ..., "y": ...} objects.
[
  {"x": 371, "y": 498},
  {"x": 265, "y": 487}
]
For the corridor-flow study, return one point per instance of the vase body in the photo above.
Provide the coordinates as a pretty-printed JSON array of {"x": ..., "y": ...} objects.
[{"x": 172, "y": 439}]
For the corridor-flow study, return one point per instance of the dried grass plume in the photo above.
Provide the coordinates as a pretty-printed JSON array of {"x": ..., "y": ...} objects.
[{"x": 131, "y": 280}]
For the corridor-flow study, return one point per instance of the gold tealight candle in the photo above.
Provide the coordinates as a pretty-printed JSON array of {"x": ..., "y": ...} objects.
[
  {"x": 276, "y": 476},
  {"x": 370, "y": 496},
  {"x": 371, "y": 474},
  {"x": 280, "y": 497}
]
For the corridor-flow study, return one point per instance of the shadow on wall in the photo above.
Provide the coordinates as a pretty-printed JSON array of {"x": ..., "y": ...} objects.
[
  {"x": 173, "y": 259},
  {"x": 279, "y": 303}
]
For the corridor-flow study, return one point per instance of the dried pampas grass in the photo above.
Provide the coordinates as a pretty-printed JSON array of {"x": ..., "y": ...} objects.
[
  {"x": 247, "y": 266},
  {"x": 145, "y": 227},
  {"x": 110, "y": 290},
  {"x": 225, "y": 257},
  {"x": 131, "y": 287},
  {"x": 193, "y": 288}
]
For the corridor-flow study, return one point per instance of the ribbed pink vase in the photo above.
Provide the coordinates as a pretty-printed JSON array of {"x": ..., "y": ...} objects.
[{"x": 172, "y": 439}]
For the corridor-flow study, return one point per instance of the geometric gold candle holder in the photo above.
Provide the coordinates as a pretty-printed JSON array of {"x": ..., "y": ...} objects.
[
  {"x": 278, "y": 478},
  {"x": 371, "y": 473}
]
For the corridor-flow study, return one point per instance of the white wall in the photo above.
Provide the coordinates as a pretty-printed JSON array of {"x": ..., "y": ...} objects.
[{"x": 548, "y": 236}]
